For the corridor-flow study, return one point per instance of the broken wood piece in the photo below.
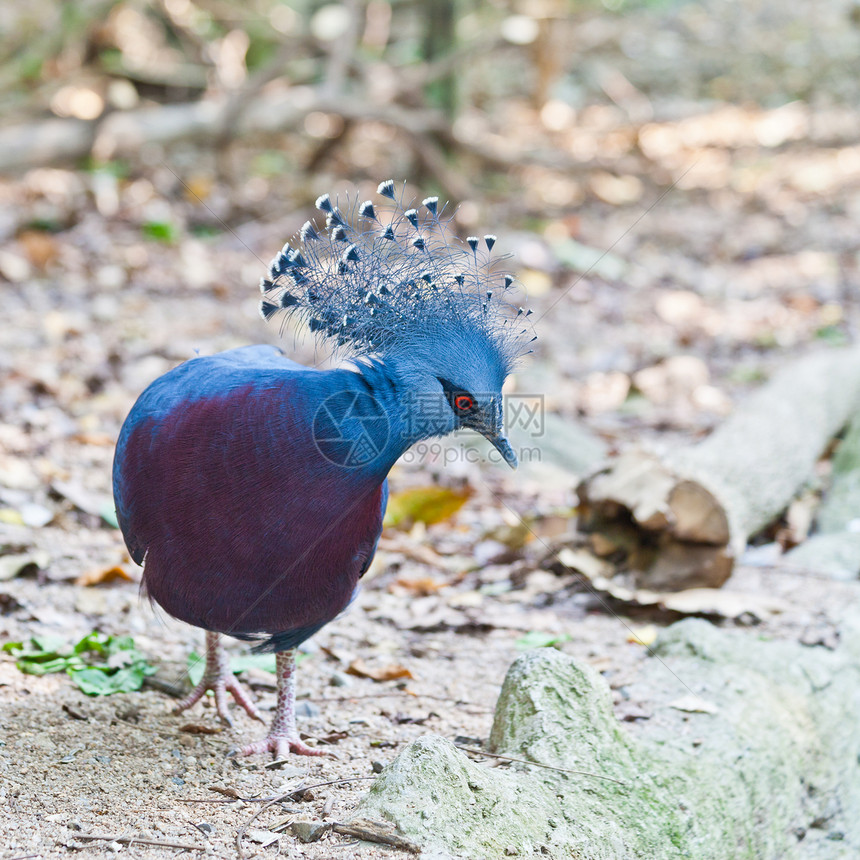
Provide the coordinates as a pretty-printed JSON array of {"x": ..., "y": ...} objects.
[
  {"x": 381, "y": 832},
  {"x": 679, "y": 519}
]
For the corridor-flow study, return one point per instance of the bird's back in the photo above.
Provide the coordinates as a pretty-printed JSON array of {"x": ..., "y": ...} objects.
[{"x": 245, "y": 525}]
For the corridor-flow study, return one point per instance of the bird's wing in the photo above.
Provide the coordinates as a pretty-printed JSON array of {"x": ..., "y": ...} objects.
[
  {"x": 194, "y": 380},
  {"x": 258, "y": 356}
]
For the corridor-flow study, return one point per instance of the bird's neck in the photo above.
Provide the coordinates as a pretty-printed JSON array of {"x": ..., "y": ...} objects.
[{"x": 403, "y": 395}]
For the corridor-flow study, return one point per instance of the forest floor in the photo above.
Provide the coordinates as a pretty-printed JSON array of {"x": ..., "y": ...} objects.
[{"x": 748, "y": 259}]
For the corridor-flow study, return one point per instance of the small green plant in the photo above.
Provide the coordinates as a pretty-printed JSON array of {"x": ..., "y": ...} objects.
[
  {"x": 238, "y": 663},
  {"x": 99, "y": 664},
  {"x": 160, "y": 231},
  {"x": 539, "y": 639}
]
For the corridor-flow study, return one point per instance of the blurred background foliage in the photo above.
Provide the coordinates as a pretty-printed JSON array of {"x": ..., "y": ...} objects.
[
  {"x": 438, "y": 91},
  {"x": 671, "y": 175}
]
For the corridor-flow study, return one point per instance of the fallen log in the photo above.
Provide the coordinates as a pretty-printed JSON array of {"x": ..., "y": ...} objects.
[
  {"x": 274, "y": 109},
  {"x": 122, "y": 133},
  {"x": 680, "y": 518},
  {"x": 834, "y": 550}
]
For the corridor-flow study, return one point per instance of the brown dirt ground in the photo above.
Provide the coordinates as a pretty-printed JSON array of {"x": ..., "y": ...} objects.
[{"x": 750, "y": 260}]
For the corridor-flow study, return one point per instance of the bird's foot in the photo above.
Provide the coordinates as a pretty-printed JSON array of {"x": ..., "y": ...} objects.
[
  {"x": 220, "y": 686},
  {"x": 281, "y": 745}
]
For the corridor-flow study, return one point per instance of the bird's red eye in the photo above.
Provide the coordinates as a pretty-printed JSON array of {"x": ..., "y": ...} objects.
[{"x": 463, "y": 402}]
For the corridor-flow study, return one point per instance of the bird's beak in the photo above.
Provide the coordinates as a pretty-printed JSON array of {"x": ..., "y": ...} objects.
[{"x": 501, "y": 444}]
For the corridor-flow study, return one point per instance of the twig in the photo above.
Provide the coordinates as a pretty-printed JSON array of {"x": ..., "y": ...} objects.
[
  {"x": 322, "y": 784},
  {"x": 374, "y": 831},
  {"x": 341, "y": 54},
  {"x": 275, "y": 799},
  {"x": 538, "y": 764},
  {"x": 393, "y": 694},
  {"x": 272, "y": 801},
  {"x": 413, "y": 79},
  {"x": 139, "y": 840},
  {"x": 165, "y": 687},
  {"x": 239, "y": 99},
  {"x": 244, "y": 828},
  {"x": 187, "y": 35},
  {"x": 123, "y": 132}
]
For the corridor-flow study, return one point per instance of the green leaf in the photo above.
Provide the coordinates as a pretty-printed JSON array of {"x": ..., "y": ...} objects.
[
  {"x": 121, "y": 643},
  {"x": 160, "y": 231},
  {"x": 103, "y": 681},
  {"x": 238, "y": 663},
  {"x": 196, "y": 668},
  {"x": 583, "y": 258},
  {"x": 46, "y": 667},
  {"x": 50, "y": 644},
  {"x": 270, "y": 163},
  {"x": 98, "y": 664},
  {"x": 93, "y": 682},
  {"x": 40, "y": 666},
  {"x": 94, "y": 641},
  {"x": 539, "y": 639},
  {"x": 108, "y": 513},
  {"x": 205, "y": 231},
  {"x": 832, "y": 334},
  {"x": 264, "y": 662},
  {"x": 9, "y": 647},
  {"x": 130, "y": 679}
]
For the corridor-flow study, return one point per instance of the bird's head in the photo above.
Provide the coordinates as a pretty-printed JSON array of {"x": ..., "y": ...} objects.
[
  {"x": 389, "y": 283},
  {"x": 452, "y": 380}
]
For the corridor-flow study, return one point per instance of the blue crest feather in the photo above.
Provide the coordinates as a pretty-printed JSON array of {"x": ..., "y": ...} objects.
[{"x": 378, "y": 278}]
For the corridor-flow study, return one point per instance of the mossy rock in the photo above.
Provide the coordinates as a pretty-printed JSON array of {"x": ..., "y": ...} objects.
[{"x": 768, "y": 768}]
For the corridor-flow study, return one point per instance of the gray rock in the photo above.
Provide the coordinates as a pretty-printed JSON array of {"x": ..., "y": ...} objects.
[
  {"x": 339, "y": 679},
  {"x": 306, "y": 710},
  {"x": 308, "y": 831},
  {"x": 751, "y": 752}
]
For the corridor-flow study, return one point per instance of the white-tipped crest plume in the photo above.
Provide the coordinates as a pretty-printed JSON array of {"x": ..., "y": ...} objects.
[{"x": 378, "y": 277}]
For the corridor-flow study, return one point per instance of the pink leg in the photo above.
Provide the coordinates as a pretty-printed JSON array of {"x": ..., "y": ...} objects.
[
  {"x": 283, "y": 737},
  {"x": 218, "y": 678}
]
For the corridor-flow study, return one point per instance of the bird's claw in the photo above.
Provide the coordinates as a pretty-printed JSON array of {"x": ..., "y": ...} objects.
[
  {"x": 281, "y": 745},
  {"x": 220, "y": 686}
]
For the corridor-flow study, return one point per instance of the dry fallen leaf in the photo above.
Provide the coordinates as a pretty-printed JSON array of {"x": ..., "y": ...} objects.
[
  {"x": 420, "y": 585},
  {"x": 264, "y": 838},
  {"x": 693, "y": 705},
  {"x": 585, "y": 562},
  {"x": 692, "y": 601},
  {"x": 385, "y": 673},
  {"x": 40, "y": 247},
  {"x": 100, "y": 576},
  {"x": 226, "y": 791},
  {"x": 428, "y": 505},
  {"x": 646, "y": 635},
  {"x": 17, "y": 563}
]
